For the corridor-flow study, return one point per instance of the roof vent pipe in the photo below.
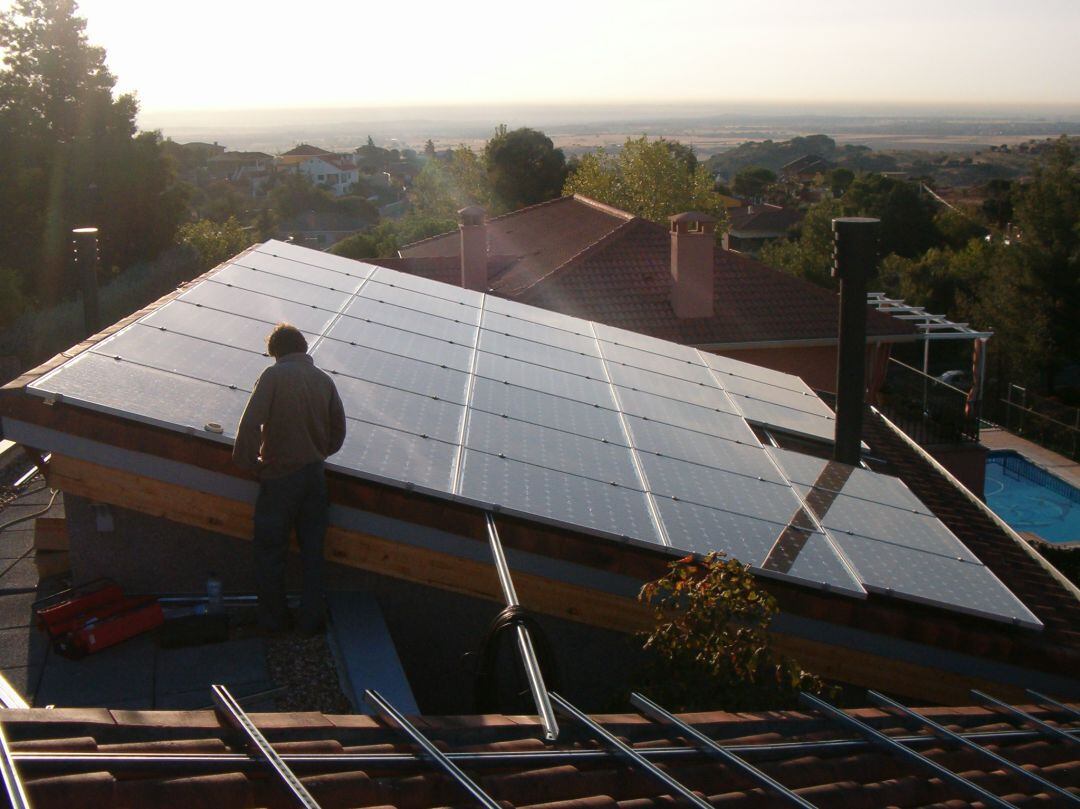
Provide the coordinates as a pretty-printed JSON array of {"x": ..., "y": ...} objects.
[
  {"x": 693, "y": 243},
  {"x": 855, "y": 253},
  {"x": 474, "y": 249},
  {"x": 84, "y": 248}
]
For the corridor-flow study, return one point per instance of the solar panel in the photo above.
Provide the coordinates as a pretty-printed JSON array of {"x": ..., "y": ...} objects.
[{"x": 543, "y": 415}]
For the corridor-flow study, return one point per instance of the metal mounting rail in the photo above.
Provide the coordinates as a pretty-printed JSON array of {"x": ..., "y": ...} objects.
[
  {"x": 890, "y": 745},
  {"x": 1049, "y": 731},
  {"x": 884, "y": 702},
  {"x": 393, "y": 716},
  {"x": 629, "y": 754},
  {"x": 74, "y": 762},
  {"x": 13, "y": 785},
  {"x": 525, "y": 644},
  {"x": 232, "y": 712},
  {"x": 1050, "y": 702},
  {"x": 711, "y": 748},
  {"x": 9, "y": 697}
]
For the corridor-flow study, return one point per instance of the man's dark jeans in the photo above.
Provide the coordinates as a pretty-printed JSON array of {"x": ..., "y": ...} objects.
[{"x": 295, "y": 500}]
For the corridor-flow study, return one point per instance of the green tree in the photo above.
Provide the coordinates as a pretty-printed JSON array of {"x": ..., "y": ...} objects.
[
  {"x": 752, "y": 181},
  {"x": 523, "y": 168},
  {"x": 429, "y": 148},
  {"x": 69, "y": 153},
  {"x": 710, "y": 648},
  {"x": 907, "y": 218},
  {"x": 386, "y": 238},
  {"x": 647, "y": 178},
  {"x": 214, "y": 242},
  {"x": 443, "y": 187},
  {"x": 840, "y": 180}
]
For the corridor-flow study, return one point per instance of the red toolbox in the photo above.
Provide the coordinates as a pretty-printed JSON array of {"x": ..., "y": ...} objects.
[{"x": 94, "y": 617}]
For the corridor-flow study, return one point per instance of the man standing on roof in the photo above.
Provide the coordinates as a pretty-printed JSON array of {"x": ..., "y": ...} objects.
[{"x": 293, "y": 422}]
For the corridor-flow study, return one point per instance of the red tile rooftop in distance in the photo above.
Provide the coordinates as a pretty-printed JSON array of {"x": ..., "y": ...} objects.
[{"x": 583, "y": 258}]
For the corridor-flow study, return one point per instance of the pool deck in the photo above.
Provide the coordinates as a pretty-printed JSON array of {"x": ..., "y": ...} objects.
[{"x": 1064, "y": 468}]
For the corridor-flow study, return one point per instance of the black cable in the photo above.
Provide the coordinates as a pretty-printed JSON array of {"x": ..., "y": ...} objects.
[
  {"x": 30, "y": 516},
  {"x": 486, "y": 695}
]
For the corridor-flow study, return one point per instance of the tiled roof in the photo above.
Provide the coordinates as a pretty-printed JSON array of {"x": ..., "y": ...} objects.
[
  {"x": 582, "y": 258},
  {"x": 790, "y": 748},
  {"x": 306, "y": 149},
  {"x": 763, "y": 219}
]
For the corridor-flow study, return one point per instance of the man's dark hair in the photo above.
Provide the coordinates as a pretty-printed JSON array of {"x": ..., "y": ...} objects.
[{"x": 285, "y": 339}]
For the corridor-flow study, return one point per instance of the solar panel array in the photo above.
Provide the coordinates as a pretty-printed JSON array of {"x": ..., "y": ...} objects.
[{"x": 539, "y": 414}]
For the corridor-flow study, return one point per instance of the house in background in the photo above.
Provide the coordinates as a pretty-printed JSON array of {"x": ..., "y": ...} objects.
[
  {"x": 321, "y": 229},
  {"x": 583, "y": 258},
  {"x": 751, "y": 227},
  {"x": 336, "y": 172},
  {"x": 249, "y": 171}
]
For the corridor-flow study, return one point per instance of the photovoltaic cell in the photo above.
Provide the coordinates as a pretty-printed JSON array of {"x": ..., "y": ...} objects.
[
  {"x": 591, "y": 391},
  {"x": 546, "y": 410},
  {"x": 186, "y": 356},
  {"x": 566, "y": 499},
  {"x": 733, "y": 446},
  {"x": 540, "y": 354},
  {"x": 402, "y": 343},
  {"x": 156, "y": 396},
  {"x": 305, "y": 272},
  {"x": 426, "y": 287},
  {"x": 268, "y": 309},
  {"x": 392, "y": 370},
  {"x": 406, "y": 298},
  {"x": 555, "y": 449},
  {"x": 542, "y": 415},
  {"x": 398, "y": 317},
  {"x": 393, "y": 455},
  {"x": 539, "y": 333},
  {"x": 277, "y": 286},
  {"x": 390, "y": 407}
]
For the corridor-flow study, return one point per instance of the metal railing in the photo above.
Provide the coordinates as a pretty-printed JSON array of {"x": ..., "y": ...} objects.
[
  {"x": 1048, "y": 423},
  {"x": 927, "y": 409}
]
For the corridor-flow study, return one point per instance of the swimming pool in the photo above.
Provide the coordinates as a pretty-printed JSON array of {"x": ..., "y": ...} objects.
[{"x": 1031, "y": 499}]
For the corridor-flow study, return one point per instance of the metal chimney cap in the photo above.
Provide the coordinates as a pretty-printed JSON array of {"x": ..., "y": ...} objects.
[
  {"x": 471, "y": 215},
  {"x": 84, "y": 230},
  {"x": 856, "y": 220}
]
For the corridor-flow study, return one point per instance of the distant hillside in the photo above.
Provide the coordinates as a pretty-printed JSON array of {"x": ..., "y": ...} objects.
[{"x": 776, "y": 154}]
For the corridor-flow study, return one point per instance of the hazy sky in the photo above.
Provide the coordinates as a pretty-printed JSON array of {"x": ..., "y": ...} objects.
[{"x": 230, "y": 54}]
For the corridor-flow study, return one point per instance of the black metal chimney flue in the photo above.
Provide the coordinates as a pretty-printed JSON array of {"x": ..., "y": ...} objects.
[
  {"x": 855, "y": 254},
  {"x": 84, "y": 248}
]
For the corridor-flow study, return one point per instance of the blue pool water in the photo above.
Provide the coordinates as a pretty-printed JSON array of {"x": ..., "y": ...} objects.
[{"x": 1031, "y": 499}]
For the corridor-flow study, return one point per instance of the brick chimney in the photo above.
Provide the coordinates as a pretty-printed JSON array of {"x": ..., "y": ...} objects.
[
  {"x": 692, "y": 246},
  {"x": 474, "y": 251}
]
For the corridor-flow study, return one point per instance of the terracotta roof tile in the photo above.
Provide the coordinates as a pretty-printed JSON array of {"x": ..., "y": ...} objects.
[
  {"x": 582, "y": 258},
  {"x": 855, "y": 776}
]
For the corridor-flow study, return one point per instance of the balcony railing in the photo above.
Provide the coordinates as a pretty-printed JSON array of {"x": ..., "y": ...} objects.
[{"x": 927, "y": 409}]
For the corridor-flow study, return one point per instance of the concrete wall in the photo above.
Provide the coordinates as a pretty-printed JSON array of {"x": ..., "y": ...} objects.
[{"x": 435, "y": 632}]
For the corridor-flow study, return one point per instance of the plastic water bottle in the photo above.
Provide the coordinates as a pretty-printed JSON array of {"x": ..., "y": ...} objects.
[{"x": 214, "y": 601}]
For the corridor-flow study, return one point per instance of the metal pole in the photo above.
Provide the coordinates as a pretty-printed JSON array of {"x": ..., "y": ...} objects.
[
  {"x": 12, "y": 783},
  {"x": 1042, "y": 699},
  {"x": 393, "y": 716},
  {"x": 232, "y": 712},
  {"x": 884, "y": 702},
  {"x": 890, "y": 745},
  {"x": 1049, "y": 731},
  {"x": 708, "y": 746},
  {"x": 46, "y": 761},
  {"x": 84, "y": 246},
  {"x": 925, "y": 370},
  {"x": 525, "y": 644},
  {"x": 629, "y": 754},
  {"x": 855, "y": 258}
]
